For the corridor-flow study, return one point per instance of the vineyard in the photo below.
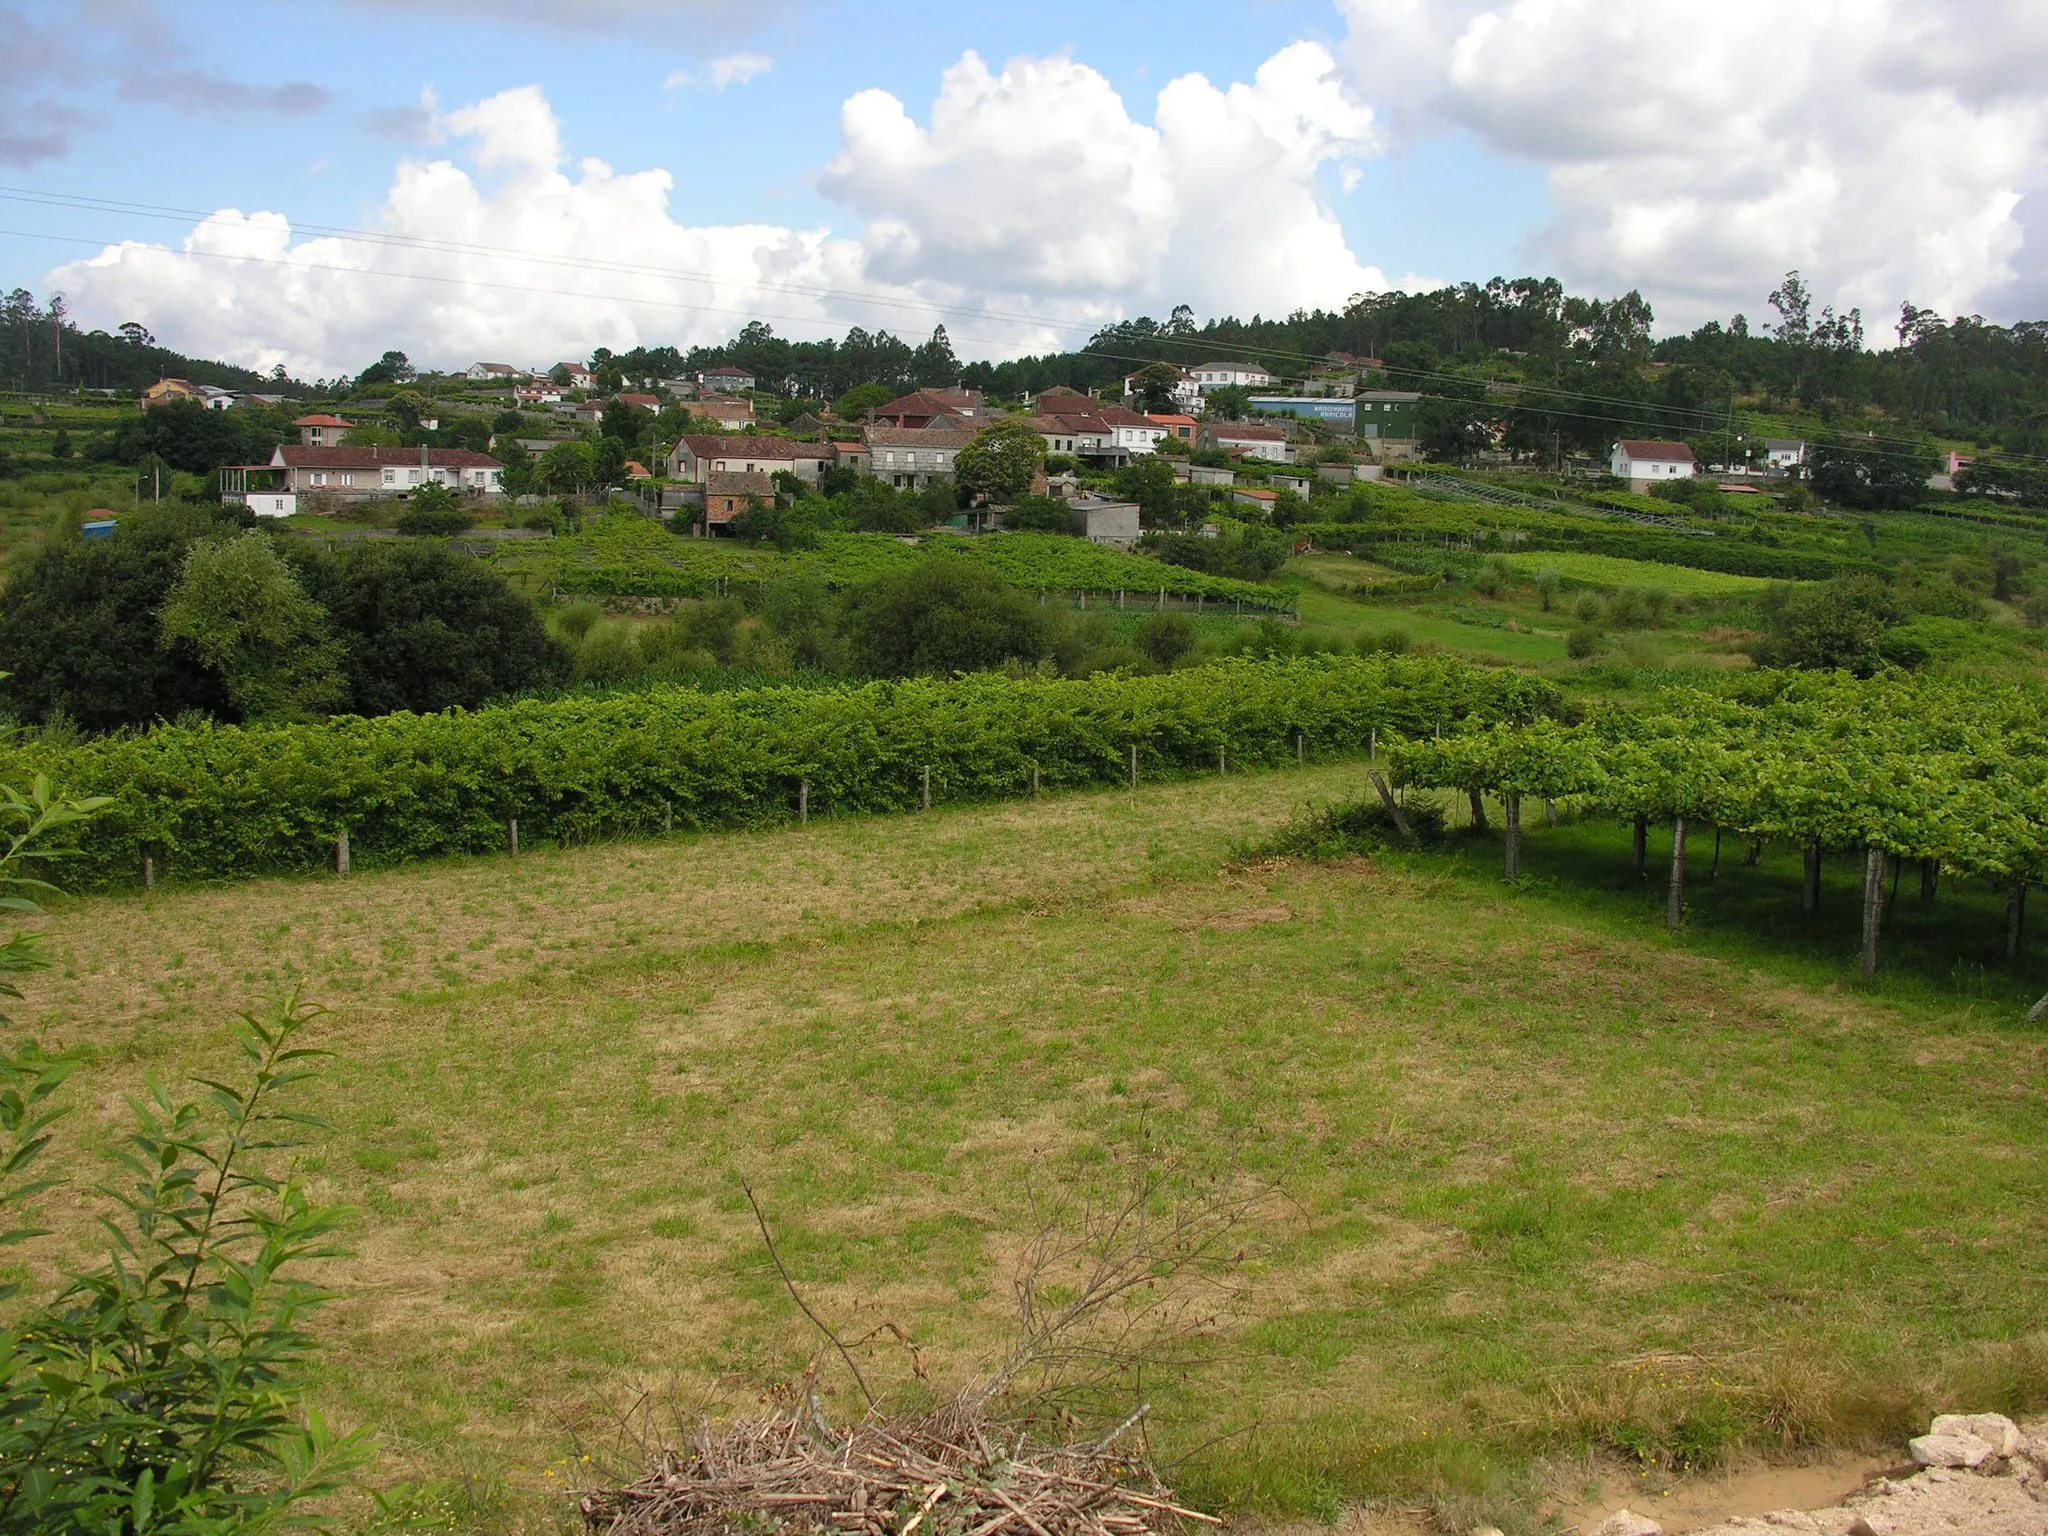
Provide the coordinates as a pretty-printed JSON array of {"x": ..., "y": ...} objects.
[
  {"x": 629, "y": 556},
  {"x": 1953, "y": 776},
  {"x": 206, "y": 802}
]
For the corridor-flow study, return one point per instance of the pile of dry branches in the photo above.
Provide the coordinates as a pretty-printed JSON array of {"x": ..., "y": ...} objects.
[
  {"x": 937, "y": 1476},
  {"x": 1107, "y": 1289}
]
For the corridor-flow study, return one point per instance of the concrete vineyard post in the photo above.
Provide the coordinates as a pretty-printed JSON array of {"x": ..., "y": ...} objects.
[
  {"x": 1372, "y": 743},
  {"x": 1297, "y": 749},
  {"x": 668, "y": 818},
  {"x": 1134, "y": 765},
  {"x": 1511, "y": 810},
  {"x": 512, "y": 835},
  {"x": 1809, "y": 891},
  {"x": 927, "y": 801},
  {"x": 803, "y": 802},
  {"x": 1034, "y": 781},
  {"x": 148, "y": 873},
  {"x": 1674, "y": 901},
  {"x": 341, "y": 852},
  {"x": 1873, "y": 905},
  {"x": 1222, "y": 763}
]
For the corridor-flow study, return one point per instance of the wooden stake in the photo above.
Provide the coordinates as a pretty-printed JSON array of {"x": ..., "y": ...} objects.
[
  {"x": 1930, "y": 878},
  {"x": 341, "y": 853},
  {"x": 2015, "y": 918},
  {"x": 1642, "y": 847},
  {"x": 1393, "y": 806},
  {"x": 1134, "y": 765},
  {"x": 1674, "y": 900},
  {"x": 927, "y": 786},
  {"x": 1511, "y": 805},
  {"x": 1809, "y": 893},
  {"x": 1714, "y": 869},
  {"x": 1873, "y": 905}
]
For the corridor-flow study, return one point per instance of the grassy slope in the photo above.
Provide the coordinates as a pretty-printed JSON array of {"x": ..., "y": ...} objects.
[
  {"x": 1554, "y": 1177},
  {"x": 1612, "y": 571}
]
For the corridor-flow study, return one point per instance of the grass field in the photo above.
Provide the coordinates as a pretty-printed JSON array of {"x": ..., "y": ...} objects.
[
  {"x": 1611, "y": 571},
  {"x": 1553, "y": 1180}
]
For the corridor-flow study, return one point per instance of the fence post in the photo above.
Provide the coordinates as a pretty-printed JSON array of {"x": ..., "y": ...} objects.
[
  {"x": 1511, "y": 810},
  {"x": 1809, "y": 890},
  {"x": 1134, "y": 765},
  {"x": 1372, "y": 744},
  {"x": 668, "y": 818},
  {"x": 927, "y": 786},
  {"x": 1162, "y": 600},
  {"x": 803, "y": 802},
  {"x": 1034, "y": 781},
  {"x": 1222, "y": 762},
  {"x": 1873, "y": 905},
  {"x": 512, "y": 835},
  {"x": 341, "y": 852},
  {"x": 148, "y": 873},
  {"x": 1674, "y": 904},
  {"x": 1297, "y": 749}
]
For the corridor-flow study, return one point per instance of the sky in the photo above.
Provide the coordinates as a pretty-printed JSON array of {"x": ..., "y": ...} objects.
[{"x": 310, "y": 182}]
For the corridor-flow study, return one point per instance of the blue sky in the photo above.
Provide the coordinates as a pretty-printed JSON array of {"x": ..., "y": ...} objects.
[{"x": 1391, "y": 141}]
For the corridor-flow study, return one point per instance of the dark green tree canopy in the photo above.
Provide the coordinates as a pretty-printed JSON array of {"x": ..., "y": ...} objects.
[{"x": 942, "y": 615}]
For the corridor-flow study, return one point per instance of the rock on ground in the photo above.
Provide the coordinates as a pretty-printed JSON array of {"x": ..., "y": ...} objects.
[{"x": 2005, "y": 1494}]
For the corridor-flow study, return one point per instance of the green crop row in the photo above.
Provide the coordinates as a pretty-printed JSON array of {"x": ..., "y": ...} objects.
[
  {"x": 211, "y": 802},
  {"x": 635, "y": 557}
]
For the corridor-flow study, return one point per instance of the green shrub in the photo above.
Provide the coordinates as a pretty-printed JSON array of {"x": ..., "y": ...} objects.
[{"x": 1584, "y": 640}]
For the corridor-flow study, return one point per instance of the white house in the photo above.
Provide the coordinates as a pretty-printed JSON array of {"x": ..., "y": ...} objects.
[
  {"x": 1783, "y": 453},
  {"x": 574, "y": 376},
  {"x": 1130, "y": 431},
  {"x": 494, "y": 373},
  {"x": 1249, "y": 439},
  {"x": 1210, "y": 376},
  {"x": 537, "y": 394},
  {"x": 359, "y": 472},
  {"x": 1637, "y": 459}
]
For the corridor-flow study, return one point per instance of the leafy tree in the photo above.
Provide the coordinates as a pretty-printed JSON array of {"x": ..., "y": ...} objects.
[
  {"x": 1148, "y": 480},
  {"x": 1872, "y": 479},
  {"x": 60, "y": 444},
  {"x": 942, "y": 615},
  {"x": 517, "y": 474},
  {"x": 1846, "y": 624},
  {"x": 1165, "y": 637},
  {"x": 78, "y": 627},
  {"x": 241, "y": 609},
  {"x": 567, "y": 468},
  {"x": 934, "y": 365},
  {"x": 409, "y": 406},
  {"x": 1038, "y": 514},
  {"x": 426, "y": 628},
  {"x": 1157, "y": 386},
  {"x": 791, "y": 526},
  {"x": 632, "y": 425},
  {"x": 187, "y": 436},
  {"x": 874, "y": 507},
  {"x": 434, "y": 510},
  {"x": 800, "y": 610},
  {"x": 859, "y": 400},
  {"x": 1452, "y": 422},
  {"x": 392, "y": 368},
  {"x": 1001, "y": 462},
  {"x": 507, "y": 421},
  {"x": 1228, "y": 402},
  {"x": 608, "y": 463}
]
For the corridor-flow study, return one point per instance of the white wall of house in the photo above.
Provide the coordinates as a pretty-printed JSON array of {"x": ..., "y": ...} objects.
[
  {"x": 1622, "y": 467},
  {"x": 271, "y": 503},
  {"x": 1137, "y": 439}
]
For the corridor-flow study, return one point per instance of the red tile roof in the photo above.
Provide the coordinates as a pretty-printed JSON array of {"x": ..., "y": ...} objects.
[
  {"x": 1644, "y": 448},
  {"x": 1247, "y": 432},
  {"x": 1172, "y": 421},
  {"x": 322, "y": 421},
  {"x": 706, "y": 446},
  {"x": 645, "y": 402},
  {"x": 938, "y": 435}
]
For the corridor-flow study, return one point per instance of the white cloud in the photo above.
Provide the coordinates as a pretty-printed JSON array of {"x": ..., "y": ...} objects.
[
  {"x": 733, "y": 69},
  {"x": 1032, "y": 201},
  {"x": 1037, "y": 181},
  {"x": 1881, "y": 146}
]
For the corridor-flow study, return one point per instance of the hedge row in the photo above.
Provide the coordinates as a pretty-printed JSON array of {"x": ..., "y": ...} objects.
[{"x": 213, "y": 802}]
